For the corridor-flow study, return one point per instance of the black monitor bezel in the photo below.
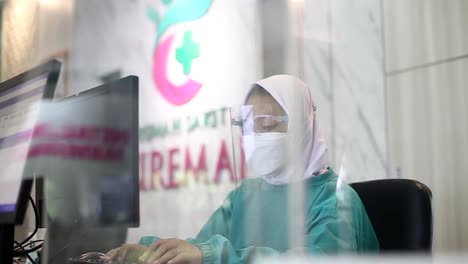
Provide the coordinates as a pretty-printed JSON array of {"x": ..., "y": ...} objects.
[
  {"x": 113, "y": 86},
  {"x": 52, "y": 68}
]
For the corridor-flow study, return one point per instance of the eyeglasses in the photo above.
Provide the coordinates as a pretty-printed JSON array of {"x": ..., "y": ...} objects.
[{"x": 260, "y": 123}]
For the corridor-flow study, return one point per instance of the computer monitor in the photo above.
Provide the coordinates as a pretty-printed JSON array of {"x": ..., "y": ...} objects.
[
  {"x": 21, "y": 98},
  {"x": 86, "y": 146}
]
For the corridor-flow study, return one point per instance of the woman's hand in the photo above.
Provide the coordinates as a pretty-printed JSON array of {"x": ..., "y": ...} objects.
[
  {"x": 171, "y": 251},
  {"x": 126, "y": 252}
]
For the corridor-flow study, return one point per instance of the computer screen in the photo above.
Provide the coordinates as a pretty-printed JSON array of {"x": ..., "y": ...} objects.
[
  {"x": 20, "y": 102},
  {"x": 86, "y": 147}
]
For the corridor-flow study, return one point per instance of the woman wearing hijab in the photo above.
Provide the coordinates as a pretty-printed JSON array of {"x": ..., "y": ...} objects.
[{"x": 283, "y": 144}]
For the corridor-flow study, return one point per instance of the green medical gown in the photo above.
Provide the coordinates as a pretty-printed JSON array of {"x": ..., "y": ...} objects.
[{"x": 253, "y": 221}]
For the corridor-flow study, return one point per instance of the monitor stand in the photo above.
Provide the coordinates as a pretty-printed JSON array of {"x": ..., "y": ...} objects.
[{"x": 7, "y": 238}]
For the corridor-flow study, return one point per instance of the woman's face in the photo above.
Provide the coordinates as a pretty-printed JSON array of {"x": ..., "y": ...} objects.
[{"x": 267, "y": 113}]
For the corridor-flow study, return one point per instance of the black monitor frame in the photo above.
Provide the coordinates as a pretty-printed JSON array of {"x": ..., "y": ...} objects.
[
  {"x": 65, "y": 239},
  {"x": 128, "y": 81},
  {"x": 52, "y": 68},
  {"x": 8, "y": 220}
]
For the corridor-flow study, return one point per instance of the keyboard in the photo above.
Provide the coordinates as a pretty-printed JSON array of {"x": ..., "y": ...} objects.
[{"x": 96, "y": 261}]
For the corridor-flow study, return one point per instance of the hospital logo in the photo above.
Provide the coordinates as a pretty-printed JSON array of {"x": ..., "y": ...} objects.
[{"x": 177, "y": 11}]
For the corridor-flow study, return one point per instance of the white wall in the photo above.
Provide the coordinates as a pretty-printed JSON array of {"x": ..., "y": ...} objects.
[
  {"x": 19, "y": 20},
  {"x": 426, "y": 64},
  {"x": 343, "y": 64}
]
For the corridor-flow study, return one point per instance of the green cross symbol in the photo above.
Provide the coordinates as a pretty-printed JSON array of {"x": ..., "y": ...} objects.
[{"x": 187, "y": 52}]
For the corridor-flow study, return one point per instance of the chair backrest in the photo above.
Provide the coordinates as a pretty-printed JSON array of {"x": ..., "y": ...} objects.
[{"x": 400, "y": 211}]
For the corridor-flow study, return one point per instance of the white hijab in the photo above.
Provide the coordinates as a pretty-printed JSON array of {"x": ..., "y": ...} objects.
[{"x": 307, "y": 150}]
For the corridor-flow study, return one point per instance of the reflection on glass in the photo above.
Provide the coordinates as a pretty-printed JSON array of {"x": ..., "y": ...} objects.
[{"x": 290, "y": 183}]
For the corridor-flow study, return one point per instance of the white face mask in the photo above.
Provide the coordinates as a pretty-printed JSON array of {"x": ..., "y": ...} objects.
[{"x": 265, "y": 153}]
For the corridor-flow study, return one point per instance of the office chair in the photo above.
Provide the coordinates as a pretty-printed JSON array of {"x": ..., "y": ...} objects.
[{"x": 401, "y": 213}]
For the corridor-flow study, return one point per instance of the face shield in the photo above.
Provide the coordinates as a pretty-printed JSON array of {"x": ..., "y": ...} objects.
[
  {"x": 259, "y": 120},
  {"x": 262, "y": 131}
]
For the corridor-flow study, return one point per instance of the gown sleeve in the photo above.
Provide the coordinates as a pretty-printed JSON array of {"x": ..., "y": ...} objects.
[{"x": 327, "y": 232}]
